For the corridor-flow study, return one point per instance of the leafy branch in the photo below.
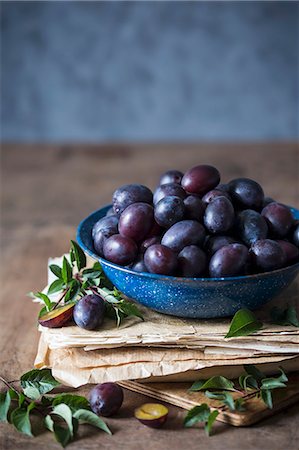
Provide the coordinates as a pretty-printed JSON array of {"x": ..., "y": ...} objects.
[
  {"x": 61, "y": 414},
  {"x": 253, "y": 383},
  {"x": 74, "y": 281}
]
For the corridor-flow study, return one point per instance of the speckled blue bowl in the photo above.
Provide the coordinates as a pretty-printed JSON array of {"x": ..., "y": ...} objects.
[{"x": 189, "y": 297}]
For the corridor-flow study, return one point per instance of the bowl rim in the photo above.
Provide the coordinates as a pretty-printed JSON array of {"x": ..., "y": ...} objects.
[{"x": 169, "y": 277}]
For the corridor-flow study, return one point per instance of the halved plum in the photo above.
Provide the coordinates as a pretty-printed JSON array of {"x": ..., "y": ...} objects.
[
  {"x": 153, "y": 415},
  {"x": 57, "y": 317}
]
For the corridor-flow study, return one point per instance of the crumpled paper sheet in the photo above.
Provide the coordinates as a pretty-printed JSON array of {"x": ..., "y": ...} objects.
[{"x": 75, "y": 367}]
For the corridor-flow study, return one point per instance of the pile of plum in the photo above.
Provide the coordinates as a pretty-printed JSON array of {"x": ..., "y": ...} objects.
[{"x": 192, "y": 226}]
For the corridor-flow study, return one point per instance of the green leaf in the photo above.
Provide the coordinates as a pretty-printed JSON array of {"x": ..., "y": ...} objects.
[
  {"x": 247, "y": 382},
  {"x": 67, "y": 271},
  {"x": 74, "y": 402},
  {"x": 217, "y": 382},
  {"x": 272, "y": 383},
  {"x": 223, "y": 397},
  {"x": 56, "y": 270},
  {"x": 196, "y": 386},
  {"x": 72, "y": 257},
  {"x": 243, "y": 324},
  {"x": 42, "y": 380},
  {"x": 44, "y": 309},
  {"x": 210, "y": 422},
  {"x": 49, "y": 423},
  {"x": 199, "y": 413},
  {"x": 254, "y": 372},
  {"x": 286, "y": 316},
  {"x": 73, "y": 290},
  {"x": 129, "y": 309},
  {"x": 108, "y": 295},
  {"x": 20, "y": 419},
  {"x": 31, "y": 392},
  {"x": 79, "y": 255},
  {"x": 65, "y": 413},
  {"x": 91, "y": 274},
  {"x": 21, "y": 399},
  {"x": 13, "y": 394},
  {"x": 62, "y": 435},
  {"x": 85, "y": 416},
  {"x": 56, "y": 286},
  {"x": 45, "y": 299},
  {"x": 266, "y": 396},
  {"x": 275, "y": 383},
  {"x": 4, "y": 406},
  {"x": 97, "y": 266}
]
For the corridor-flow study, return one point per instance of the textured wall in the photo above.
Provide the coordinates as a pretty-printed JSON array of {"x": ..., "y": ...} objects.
[{"x": 149, "y": 70}]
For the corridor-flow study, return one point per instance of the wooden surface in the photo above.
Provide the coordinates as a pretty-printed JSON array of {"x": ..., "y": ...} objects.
[
  {"x": 46, "y": 191},
  {"x": 255, "y": 409}
]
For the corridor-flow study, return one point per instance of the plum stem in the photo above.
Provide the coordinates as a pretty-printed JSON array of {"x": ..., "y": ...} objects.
[
  {"x": 9, "y": 385},
  {"x": 61, "y": 298}
]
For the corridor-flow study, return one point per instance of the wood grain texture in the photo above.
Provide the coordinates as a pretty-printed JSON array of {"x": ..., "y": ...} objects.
[
  {"x": 255, "y": 409},
  {"x": 46, "y": 191}
]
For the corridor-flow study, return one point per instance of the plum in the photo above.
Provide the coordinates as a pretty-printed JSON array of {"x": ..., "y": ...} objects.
[
  {"x": 160, "y": 259},
  {"x": 229, "y": 260},
  {"x": 183, "y": 233},
  {"x": 106, "y": 399},
  {"x": 171, "y": 176},
  {"x": 200, "y": 179},
  {"x": 120, "y": 250},
  {"x": 89, "y": 312},
  {"x": 128, "y": 194}
]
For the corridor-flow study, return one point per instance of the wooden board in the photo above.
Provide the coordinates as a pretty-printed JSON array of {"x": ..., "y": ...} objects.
[{"x": 177, "y": 394}]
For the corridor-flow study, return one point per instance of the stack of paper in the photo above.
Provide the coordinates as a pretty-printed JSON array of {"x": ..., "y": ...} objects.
[{"x": 163, "y": 347}]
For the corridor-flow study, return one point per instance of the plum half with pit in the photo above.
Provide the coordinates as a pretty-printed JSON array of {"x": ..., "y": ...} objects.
[
  {"x": 106, "y": 399},
  {"x": 58, "y": 317},
  {"x": 153, "y": 415}
]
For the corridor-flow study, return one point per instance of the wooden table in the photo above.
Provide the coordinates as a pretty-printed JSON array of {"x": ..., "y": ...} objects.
[{"x": 46, "y": 191}]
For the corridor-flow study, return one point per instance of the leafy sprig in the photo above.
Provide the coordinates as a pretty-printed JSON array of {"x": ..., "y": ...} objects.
[
  {"x": 253, "y": 383},
  {"x": 74, "y": 281},
  {"x": 245, "y": 323},
  {"x": 61, "y": 414}
]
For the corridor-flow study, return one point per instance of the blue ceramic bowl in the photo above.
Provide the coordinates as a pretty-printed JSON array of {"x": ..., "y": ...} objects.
[{"x": 189, "y": 297}]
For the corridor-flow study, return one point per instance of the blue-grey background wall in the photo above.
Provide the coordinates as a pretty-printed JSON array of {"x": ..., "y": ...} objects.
[{"x": 98, "y": 71}]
